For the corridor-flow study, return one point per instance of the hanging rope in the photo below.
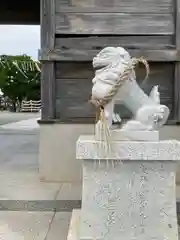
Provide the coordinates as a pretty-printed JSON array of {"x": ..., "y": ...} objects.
[{"x": 102, "y": 129}]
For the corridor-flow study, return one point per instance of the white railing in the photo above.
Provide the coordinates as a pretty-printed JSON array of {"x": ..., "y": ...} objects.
[{"x": 31, "y": 106}]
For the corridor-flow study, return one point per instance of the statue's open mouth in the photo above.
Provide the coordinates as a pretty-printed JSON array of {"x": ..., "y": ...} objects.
[{"x": 99, "y": 67}]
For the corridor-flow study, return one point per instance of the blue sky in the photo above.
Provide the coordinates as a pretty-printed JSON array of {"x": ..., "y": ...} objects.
[{"x": 15, "y": 40}]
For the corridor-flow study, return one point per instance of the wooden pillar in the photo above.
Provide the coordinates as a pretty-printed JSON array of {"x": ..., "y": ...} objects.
[
  {"x": 48, "y": 71},
  {"x": 177, "y": 65}
]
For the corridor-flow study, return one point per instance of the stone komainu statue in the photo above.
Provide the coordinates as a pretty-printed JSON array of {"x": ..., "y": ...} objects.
[{"x": 115, "y": 82}]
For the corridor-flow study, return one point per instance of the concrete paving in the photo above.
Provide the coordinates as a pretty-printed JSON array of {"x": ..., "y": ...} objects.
[
  {"x": 60, "y": 226},
  {"x": 34, "y": 225},
  {"x": 70, "y": 191},
  {"x": 22, "y": 188},
  {"x": 23, "y": 225},
  {"x": 28, "y": 124},
  {"x": 25, "y": 185},
  {"x": 10, "y": 117},
  {"x": 28, "y": 207}
]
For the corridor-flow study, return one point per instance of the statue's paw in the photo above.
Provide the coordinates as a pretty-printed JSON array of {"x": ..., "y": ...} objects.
[
  {"x": 162, "y": 115},
  {"x": 153, "y": 115},
  {"x": 133, "y": 125}
]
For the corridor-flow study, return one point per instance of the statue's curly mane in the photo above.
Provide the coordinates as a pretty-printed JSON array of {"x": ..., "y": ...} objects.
[
  {"x": 110, "y": 57},
  {"x": 108, "y": 64}
]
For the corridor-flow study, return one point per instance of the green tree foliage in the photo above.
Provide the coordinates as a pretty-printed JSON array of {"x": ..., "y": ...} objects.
[{"x": 19, "y": 78}]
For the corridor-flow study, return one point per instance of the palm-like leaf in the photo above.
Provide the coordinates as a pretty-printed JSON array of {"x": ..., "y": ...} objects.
[{"x": 22, "y": 65}]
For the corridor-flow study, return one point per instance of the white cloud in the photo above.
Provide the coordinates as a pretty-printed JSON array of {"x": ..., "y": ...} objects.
[{"x": 22, "y": 39}]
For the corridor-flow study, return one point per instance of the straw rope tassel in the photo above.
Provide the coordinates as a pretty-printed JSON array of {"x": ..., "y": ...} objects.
[{"x": 103, "y": 133}]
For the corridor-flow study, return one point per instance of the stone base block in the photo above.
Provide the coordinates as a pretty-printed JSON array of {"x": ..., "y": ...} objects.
[
  {"x": 131, "y": 193},
  {"x": 128, "y": 201},
  {"x": 122, "y": 135},
  {"x": 172, "y": 132}
]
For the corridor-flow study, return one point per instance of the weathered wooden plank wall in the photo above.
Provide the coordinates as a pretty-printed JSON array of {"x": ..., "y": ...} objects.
[
  {"x": 151, "y": 6},
  {"x": 74, "y": 86},
  {"x": 108, "y": 23},
  {"x": 73, "y": 31}
]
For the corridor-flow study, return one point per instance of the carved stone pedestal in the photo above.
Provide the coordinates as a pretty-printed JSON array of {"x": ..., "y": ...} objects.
[{"x": 129, "y": 193}]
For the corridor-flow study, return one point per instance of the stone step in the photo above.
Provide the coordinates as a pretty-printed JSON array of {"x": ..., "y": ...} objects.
[
  {"x": 23, "y": 191},
  {"x": 39, "y": 205}
]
